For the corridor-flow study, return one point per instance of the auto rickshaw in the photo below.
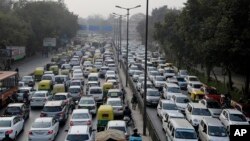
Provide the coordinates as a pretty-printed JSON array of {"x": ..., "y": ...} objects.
[
  {"x": 105, "y": 88},
  {"x": 104, "y": 114},
  {"x": 55, "y": 59},
  {"x": 65, "y": 72},
  {"x": 38, "y": 73},
  {"x": 55, "y": 69},
  {"x": 45, "y": 85},
  {"x": 93, "y": 70},
  {"x": 58, "y": 88}
]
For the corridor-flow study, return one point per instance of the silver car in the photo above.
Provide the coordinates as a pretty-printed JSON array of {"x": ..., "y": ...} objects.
[{"x": 39, "y": 98}]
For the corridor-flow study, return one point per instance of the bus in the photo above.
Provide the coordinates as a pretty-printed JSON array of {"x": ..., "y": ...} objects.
[{"x": 8, "y": 85}]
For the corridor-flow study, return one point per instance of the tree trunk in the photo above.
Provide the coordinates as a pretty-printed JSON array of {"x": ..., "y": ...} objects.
[
  {"x": 215, "y": 77},
  {"x": 230, "y": 82},
  {"x": 247, "y": 81},
  {"x": 208, "y": 71}
]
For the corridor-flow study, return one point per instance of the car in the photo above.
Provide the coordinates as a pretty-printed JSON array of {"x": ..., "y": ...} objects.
[
  {"x": 168, "y": 72},
  {"x": 12, "y": 125},
  {"x": 117, "y": 105},
  {"x": 76, "y": 83},
  {"x": 92, "y": 84},
  {"x": 44, "y": 128},
  {"x": 194, "y": 90},
  {"x": 152, "y": 74},
  {"x": 195, "y": 112},
  {"x": 66, "y": 66},
  {"x": 149, "y": 85},
  {"x": 165, "y": 106},
  {"x": 181, "y": 101},
  {"x": 109, "y": 72},
  {"x": 213, "y": 106},
  {"x": 62, "y": 79},
  {"x": 102, "y": 71},
  {"x": 77, "y": 71},
  {"x": 65, "y": 97},
  {"x": 153, "y": 97},
  {"x": 22, "y": 90},
  {"x": 112, "y": 67},
  {"x": 136, "y": 75},
  {"x": 211, "y": 93},
  {"x": 88, "y": 102},
  {"x": 172, "y": 80},
  {"x": 39, "y": 98},
  {"x": 80, "y": 133},
  {"x": 49, "y": 77},
  {"x": 171, "y": 89},
  {"x": 98, "y": 65},
  {"x": 17, "y": 109},
  {"x": 57, "y": 109},
  {"x": 75, "y": 92},
  {"x": 182, "y": 73},
  {"x": 28, "y": 80},
  {"x": 97, "y": 93},
  {"x": 191, "y": 78},
  {"x": 211, "y": 129},
  {"x": 86, "y": 71},
  {"x": 131, "y": 70},
  {"x": 159, "y": 81},
  {"x": 80, "y": 117},
  {"x": 138, "y": 83},
  {"x": 110, "y": 76},
  {"x": 181, "y": 82},
  {"x": 166, "y": 118},
  {"x": 230, "y": 117},
  {"x": 118, "y": 125}
]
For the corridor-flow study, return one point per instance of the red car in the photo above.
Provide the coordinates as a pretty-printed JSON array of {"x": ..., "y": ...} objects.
[{"x": 211, "y": 93}]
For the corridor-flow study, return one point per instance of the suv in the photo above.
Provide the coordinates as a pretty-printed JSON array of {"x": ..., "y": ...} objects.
[
  {"x": 211, "y": 129},
  {"x": 57, "y": 109},
  {"x": 20, "y": 109},
  {"x": 80, "y": 132}
]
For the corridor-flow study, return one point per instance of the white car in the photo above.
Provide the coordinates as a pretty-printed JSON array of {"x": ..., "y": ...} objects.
[
  {"x": 118, "y": 125},
  {"x": 232, "y": 117},
  {"x": 171, "y": 89},
  {"x": 165, "y": 119},
  {"x": 191, "y": 79},
  {"x": 109, "y": 72},
  {"x": 181, "y": 101},
  {"x": 168, "y": 72},
  {"x": 39, "y": 98},
  {"x": 152, "y": 74},
  {"x": 159, "y": 81},
  {"x": 75, "y": 92},
  {"x": 183, "y": 73},
  {"x": 11, "y": 125},
  {"x": 136, "y": 75},
  {"x": 80, "y": 117},
  {"x": 117, "y": 105},
  {"x": 132, "y": 69},
  {"x": 193, "y": 87},
  {"x": 195, "y": 112},
  {"x": 44, "y": 128},
  {"x": 77, "y": 71},
  {"x": 165, "y": 106},
  {"x": 97, "y": 93},
  {"x": 79, "y": 133},
  {"x": 88, "y": 102},
  {"x": 213, "y": 106},
  {"x": 211, "y": 129}
]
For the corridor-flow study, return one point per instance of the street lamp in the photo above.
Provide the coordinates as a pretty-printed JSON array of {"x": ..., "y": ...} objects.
[
  {"x": 127, "y": 36},
  {"x": 145, "y": 73},
  {"x": 120, "y": 37}
]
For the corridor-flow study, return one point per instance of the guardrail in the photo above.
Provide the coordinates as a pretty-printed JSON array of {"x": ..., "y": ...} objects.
[{"x": 152, "y": 132}]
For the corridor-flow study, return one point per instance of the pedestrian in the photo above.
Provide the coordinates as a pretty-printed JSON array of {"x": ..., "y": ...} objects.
[
  {"x": 7, "y": 137},
  {"x": 123, "y": 95},
  {"x": 134, "y": 101}
]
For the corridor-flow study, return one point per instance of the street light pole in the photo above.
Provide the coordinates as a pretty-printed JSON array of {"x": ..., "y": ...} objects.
[
  {"x": 127, "y": 37},
  {"x": 145, "y": 74}
]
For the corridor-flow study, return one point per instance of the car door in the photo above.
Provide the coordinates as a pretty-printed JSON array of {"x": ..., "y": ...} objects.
[
  {"x": 202, "y": 131},
  {"x": 223, "y": 118},
  {"x": 17, "y": 124},
  {"x": 188, "y": 111},
  {"x": 159, "y": 107},
  {"x": 55, "y": 125}
]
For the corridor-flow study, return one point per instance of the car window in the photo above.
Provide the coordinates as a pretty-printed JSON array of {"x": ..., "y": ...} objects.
[
  {"x": 86, "y": 101},
  {"x": 168, "y": 106},
  {"x": 38, "y": 95},
  {"x": 52, "y": 108},
  {"x": 5, "y": 123},
  {"x": 218, "y": 131},
  {"x": 201, "y": 111},
  {"x": 80, "y": 116},
  {"x": 185, "y": 134},
  {"x": 213, "y": 104},
  {"x": 59, "y": 97},
  {"x": 13, "y": 110},
  {"x": 238, "y": 117},
  {"x": 121, "y": 128},
  {"x": 41, "y": 124},
  {"x": 77, "y": 137}
]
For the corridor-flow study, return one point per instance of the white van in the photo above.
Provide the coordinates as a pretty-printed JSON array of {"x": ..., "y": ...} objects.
[{"x": 180, "y": 129}]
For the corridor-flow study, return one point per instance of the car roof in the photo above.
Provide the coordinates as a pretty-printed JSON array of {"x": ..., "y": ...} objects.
[
  {"x": 7, "y": 117},
  {"x": 95, "y": 87},
  {"x": 53, "y": 103},
  {"x": 15, "y": 104},
  {"x": 114, "y": 99},
  {"x": 80, "y": 129},
  {"x": 198, "y": 105},
  {"x": 181, "y": 95},
  {"x": 167, "y": 101},
  {"x": 114, "y": 90},
  {"x": 43, "y": 119},
  {"x": 175, "y": 114},
  {"x": 75, "y": 86},
  {"x": 87, "y": 97},
  {"x": 181, "y": 123},
  {"x": 171, "y": 84},
  {"x": 212, "y": 121},
  {"x": 41, "y": 91},
  {"x": 26, "y": 88},
  {"x": 233, "y": 111},
  {"x": 116, "y": 123},
  {"x": 80, "y": 111},
  {"x": 61, "y": 93}
]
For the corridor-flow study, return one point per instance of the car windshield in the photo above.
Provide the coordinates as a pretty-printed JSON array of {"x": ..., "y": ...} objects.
[
  {"x": 201, "y": 112},
  {"x": 160, "y": 78},
  {"x": 114, "y": 103},
  {"x": 169, "y": 71},
  {"x": 168, "y": 106},
  {"x": 95, "y": 91},
  {"x": 213, "y": 104},
  {"x": 38, "y": 95},
  {"x": 22, "y": 91},
  {"x": 26, "y": 79},
  {"x": 93, "y": 79},
  {"x": 74, "y": 90},
  {"x": 86, "y": 101},
  {"x": 41, "y": 124},
  {"x": 5, "y": 123},
  {"x": 180, "y": 79},
  {"x": 174, "y": 90},
  {"x": 59, "y": 79},
  {"x": 154, "y": 73},
  {"x": 137, "y": 73},
  {"x": 197, "y": 86},
  {"x": 93, "y": 84},
  {"x": 46, "y": 78},
  {"x": 114, "y": 94},
  {"x": 77, "y": 137},
  {"x": 218, "y": 131},
  {"x": 182, "y": 100},
  {"x": 212, "y": 91},
  {"x": 183, "y": 72},
  {"x": 52, "y": 108},
  {"x": 75, "y": 83},
  {"x": 238, "y": 117},
  {"x": 13, "y": 110},
  {"x": 193, "y": 79},
  {"x": 153, "y": 93},
  {"x": 185, "y": 134},
  {"x": 60, "y": 97},
  {"x": 80, "y": 116},
  {"x": 121, "y": 128}
]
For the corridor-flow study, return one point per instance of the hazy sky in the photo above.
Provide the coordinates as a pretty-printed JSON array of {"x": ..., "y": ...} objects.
[{"x": 84, "y": 8}]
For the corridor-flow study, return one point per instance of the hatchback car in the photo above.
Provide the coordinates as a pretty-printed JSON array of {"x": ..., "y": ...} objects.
[
  {"x": 28, "y": 80},
  {"x": 45, "y": 128},
  {"x": 165, "y": 106},
  {"x": 118, "y": 125},
  {"x": 117, "y": 105},
  {"x": 81, "y": 117},
  {"x": 65, "y": 97},
  {"x": 153, "y": 97},
  {"x": 17, "y": 109},
  {"x": 88, "y": 102},
  {"x": 75, "y": 92},
  {"x": 171, "y": 89}
]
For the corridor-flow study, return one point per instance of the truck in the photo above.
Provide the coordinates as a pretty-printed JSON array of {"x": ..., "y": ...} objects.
[{"x": 18, "y": 52}]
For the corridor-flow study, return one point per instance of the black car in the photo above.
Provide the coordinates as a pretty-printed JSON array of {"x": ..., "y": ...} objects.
[{"x": 14, "y": 109}]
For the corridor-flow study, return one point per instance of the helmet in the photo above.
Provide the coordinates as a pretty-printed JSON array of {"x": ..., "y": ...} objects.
[
  {"x": 135, "y": 130},
  {"x": 126, "y": 107}
]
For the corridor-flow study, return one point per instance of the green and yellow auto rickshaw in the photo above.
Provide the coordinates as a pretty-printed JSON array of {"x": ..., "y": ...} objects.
[
  {"x": 104, "y": 114},
  {"x": 55, "y": 69},
  {"x": 45, "y": 85},
  {"x": 38, "y": 73}
]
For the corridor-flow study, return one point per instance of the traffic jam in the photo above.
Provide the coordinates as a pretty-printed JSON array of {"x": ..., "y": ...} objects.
[{"x": 81, "y": 88}]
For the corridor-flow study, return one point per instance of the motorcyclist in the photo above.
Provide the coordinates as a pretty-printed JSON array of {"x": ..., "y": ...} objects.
[
  {"x": 127, "y": 113},
  {"x": 26, "y": 97},
  {"x": 135, "y": 134},
  {"x": 14, "y": 96},
  {"x": 7, "y": 138}
]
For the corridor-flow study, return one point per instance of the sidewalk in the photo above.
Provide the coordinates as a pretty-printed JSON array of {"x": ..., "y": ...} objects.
[{"x": 137, "y": 116}]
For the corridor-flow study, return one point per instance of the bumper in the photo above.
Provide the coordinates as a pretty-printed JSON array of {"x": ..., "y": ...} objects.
[
  {"x": 37, "y": 104},
  {"x": 41, "y": 138}
]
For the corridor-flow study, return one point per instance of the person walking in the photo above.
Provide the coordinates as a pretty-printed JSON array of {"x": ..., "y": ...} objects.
[{"x": 134, "y": 101}]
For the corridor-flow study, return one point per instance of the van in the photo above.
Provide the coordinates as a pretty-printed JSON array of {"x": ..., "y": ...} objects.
[{"x": 180, "y": 129}]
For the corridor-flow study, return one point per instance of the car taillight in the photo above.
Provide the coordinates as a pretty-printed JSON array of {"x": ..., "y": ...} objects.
[
  {"x": 88, "y": 122},
  {"x": 9, "y": 132},
  {"x": 30, "y": 133},
  {"x": 71, "y": 123},
  {"x": 50, "y": 132},
  {"x": 43, "y": 115}
]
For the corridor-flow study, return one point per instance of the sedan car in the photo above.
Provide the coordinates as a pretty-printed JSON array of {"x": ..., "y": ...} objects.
[
  {"x": 159, "y": 81},
  {"x": 153, "y": 97},
  {"x": 88, "y": 102},
  {"x": 75, "y": 92},
  {"x": 39, "y": 98},
  {"x": 213, "y": 106},
  {"x": 81, "y": 117},
  {"x": 17, "y": 109},
  {"x": 117, "y": 105},
  {"x": 166, "y": 106},
  {"x": 28, "y": 80},
  {"x": 44, "y": 128},
  {"x": 181, "y": 101},
  {"x": 11, "y": 125}
]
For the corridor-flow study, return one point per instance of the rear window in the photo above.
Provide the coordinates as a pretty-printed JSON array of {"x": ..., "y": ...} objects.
[
  {"x": 77, "y": 137},
  {"x": 39, "y": 95},
  {"x": 60, "y": 97},
  {"x": 121, "y": 128},
  {"x": 13, "y": 110},
  {"x": 41, "y": 125},
  {"x": 5, "y": 123},
  {"x": 52, "y": 108},
  {"x": 95, "y": 91},
  {"x": 80, "y": 116}
]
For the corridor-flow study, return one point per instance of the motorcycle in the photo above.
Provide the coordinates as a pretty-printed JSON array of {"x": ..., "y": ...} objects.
[{"x": 127, "y": 120}]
